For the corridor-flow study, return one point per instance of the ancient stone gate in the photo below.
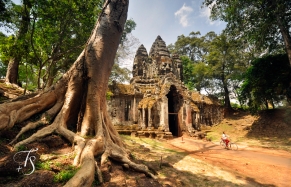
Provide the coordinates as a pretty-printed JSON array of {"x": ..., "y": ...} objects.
[{"x": 156, "y": 103}]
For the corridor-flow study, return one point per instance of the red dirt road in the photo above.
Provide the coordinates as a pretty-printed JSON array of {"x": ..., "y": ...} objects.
[{"x": 263, "y": 166}]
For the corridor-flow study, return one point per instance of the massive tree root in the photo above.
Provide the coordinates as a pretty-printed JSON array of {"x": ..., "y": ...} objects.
[{"x": 75, "y": 107}]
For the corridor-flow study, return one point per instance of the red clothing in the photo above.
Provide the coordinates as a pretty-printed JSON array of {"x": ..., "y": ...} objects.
[
  {"x": 226, "y": 142},
  {"x": 225, "y": 139}
]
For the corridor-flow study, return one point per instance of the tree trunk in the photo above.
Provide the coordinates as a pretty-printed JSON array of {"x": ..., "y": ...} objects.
[
  {"x": 286, "y": 37},
  {"x": 12, "y": 70},
  {"x": 227, "y": 106},
  {"x": 50, "y": 76},
  {"x": 78, "y": 101},
  {"x": 287, "y": 41},
  {"x": 226, "y": 97}
]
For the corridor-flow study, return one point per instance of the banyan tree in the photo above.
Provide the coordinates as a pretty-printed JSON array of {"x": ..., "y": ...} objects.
[{"x": 75, "y": 106}]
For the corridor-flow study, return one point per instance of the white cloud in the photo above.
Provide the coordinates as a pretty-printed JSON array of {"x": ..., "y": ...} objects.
[
  {"x": 206, "y": 12},
  {"x": 183, "y": 15}
]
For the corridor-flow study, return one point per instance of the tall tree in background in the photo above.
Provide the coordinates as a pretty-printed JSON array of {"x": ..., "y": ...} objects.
[
  {"x": 60, "y": 29},
  {"x": 20, "y": 46},
  {"x": 265, "y": 81},
  {"x": 55, "y": 35},
  {"x": 264, "y": 23},
  {"x": 5, "y": 14},
  {"x": 195, "y": 75},
  {"x": 213, "y": 64},
  {"x": 192, "y": 50},
  {"x": 57, "y": 32},
  {"x": 190, "y": 46},
  {"x": 227, "y": 63},
  {"x": 75, "y": 107}
]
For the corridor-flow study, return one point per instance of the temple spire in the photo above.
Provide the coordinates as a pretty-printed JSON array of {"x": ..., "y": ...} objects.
[{"x": 159, "y": 47}]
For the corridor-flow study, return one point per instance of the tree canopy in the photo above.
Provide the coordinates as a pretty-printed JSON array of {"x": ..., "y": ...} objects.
[
  {"x": 48, "y": 36},
  {"x": 54, "y": 35},
  {"x": 217, "y": 63},
  {"x": 264, "y": 23},
  {"x": 266, "y": 81},
  {"x": 212, "y": 63},
  {"x": 5, "y": 14}
]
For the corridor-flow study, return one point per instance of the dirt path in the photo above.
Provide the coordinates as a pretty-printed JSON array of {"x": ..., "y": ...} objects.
[{"x": 264, "y": 166}]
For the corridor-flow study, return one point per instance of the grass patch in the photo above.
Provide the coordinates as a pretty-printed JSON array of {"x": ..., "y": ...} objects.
[
  {"x": 213, "y": 136},
  {"x": 148, "y": 142},
  {"x": 21, "y": 148},
  {"x": 43, "y": 165},
  {"x": 224, "y": 127},
  {"x": 65, "y": 175}
]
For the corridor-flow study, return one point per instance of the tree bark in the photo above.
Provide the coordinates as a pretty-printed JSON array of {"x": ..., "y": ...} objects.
[
  {"x": 286, "y": 37},
  {"x": 77, "y": 102},
  {"x": 227, "y": 106},
  {"x": 12, "y": 70},
  {"x": 226, "y": 97}
]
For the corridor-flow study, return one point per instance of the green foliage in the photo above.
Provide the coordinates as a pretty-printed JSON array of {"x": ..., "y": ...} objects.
[
  {"x": 119, "y": 74},
  {"x": 212, "y": 63},
  {"x": 193, "y": 49},
  {"x": 5, "y": 14},
  {"x": 227, "y": 61},
  {"x": 266, "y": 81},
  {"x": 195, "y": 75},
  {"x": 3, "y": 70},
  {"x": 61, "y": 30},
  {"x": 235, "y": 105},
  {"x": 65, "y": 175},
  {"x": 188, "y": 68},
  {"x": 201, "y": 74},
  {"x": 191, "y": 46},
  {"x": 21, "y": 148},
  {"x": 50, "y": 40},
  {"x": 213, "y": 136},
  {"x": 28, "y": 76},
  {"x": 6, "y": 48},
  {"x": 262, "y": 23},
  {"x": 43, "y": 165},
  {"x": 127, "y": 43},
  {"x": 109, "y": 94},
  {"x": 128, "y": 28}
]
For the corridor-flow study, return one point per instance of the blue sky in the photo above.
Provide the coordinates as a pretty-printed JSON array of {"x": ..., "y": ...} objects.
[
  {"x": 170, "y": 19},
  {"x": 167, "y": 18}
]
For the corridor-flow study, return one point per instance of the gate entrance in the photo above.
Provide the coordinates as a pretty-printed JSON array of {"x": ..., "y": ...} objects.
[{"x": 173, "y": 102}]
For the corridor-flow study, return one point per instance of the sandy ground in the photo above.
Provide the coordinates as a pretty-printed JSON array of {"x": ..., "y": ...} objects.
[{"x": 264, "y": 166}]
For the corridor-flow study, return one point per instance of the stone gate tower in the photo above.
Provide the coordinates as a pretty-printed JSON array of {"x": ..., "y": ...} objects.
[{"x": 157, "y": 101}]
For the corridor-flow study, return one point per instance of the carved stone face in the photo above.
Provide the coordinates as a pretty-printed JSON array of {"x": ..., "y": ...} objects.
[{"x": 113, "y": 112}]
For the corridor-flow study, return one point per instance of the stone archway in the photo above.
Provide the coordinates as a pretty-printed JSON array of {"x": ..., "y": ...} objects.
[{"x": 173, "y": 111}]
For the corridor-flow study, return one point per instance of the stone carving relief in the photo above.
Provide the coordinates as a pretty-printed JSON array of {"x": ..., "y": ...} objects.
[{"x": 113, "y": 112}]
